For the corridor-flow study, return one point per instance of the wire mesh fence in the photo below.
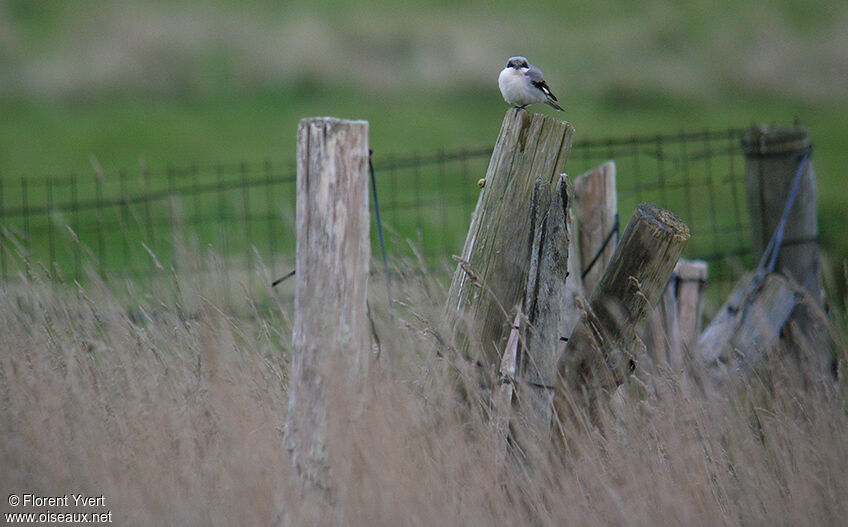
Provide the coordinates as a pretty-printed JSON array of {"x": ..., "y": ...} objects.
[{"x": 137, "y": 224}]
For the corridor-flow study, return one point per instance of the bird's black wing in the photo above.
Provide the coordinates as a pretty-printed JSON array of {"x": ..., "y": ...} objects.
[
  {"x": 538, "y": 80},
  {"x": 542, "y": 85}
]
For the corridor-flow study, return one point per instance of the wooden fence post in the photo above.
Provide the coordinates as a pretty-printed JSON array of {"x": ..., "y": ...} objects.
[
  {"x": 675, "y": 323},
  {"x": 772, "y": 158},
  {"x": 661, "y": 333},
  {"x": 597, "y": 356},
  {"x": 331, "y": 342},
  {"x": 596, "y": 207},
  {"x": 691, "y": 277},
  {"x": 491, "y": 276}
]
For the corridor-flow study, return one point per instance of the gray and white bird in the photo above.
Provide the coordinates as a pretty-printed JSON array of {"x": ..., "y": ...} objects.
[{"x": 522, "y": 83}]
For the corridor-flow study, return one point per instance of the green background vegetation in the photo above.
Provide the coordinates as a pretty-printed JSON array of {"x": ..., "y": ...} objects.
[{"x": 130, "y": 84}]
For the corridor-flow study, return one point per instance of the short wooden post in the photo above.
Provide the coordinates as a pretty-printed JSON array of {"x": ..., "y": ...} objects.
[
  {"x": 598, "y": 355},
  {"x": 596, "y": 209},
  {"x": 772, "y": 158},
  {"x": 662, "y": 334},
  {"x": 675, "y": 323},
  {"x": 691, "y": 277},
  {"x": 331, "y": 340},
  {"x": 491, "y": 277}
]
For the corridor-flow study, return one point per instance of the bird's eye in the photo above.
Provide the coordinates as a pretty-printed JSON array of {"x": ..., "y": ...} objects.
[{"x": 523, "y": 64}]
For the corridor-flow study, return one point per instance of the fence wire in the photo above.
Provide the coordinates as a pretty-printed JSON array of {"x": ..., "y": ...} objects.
[{"x": 134, "y": 224}]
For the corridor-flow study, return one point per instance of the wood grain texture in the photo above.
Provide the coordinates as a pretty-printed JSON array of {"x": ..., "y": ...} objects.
[
  {"x": 691, "y": 277},
  {"x": 747, "y": 327},
  {"x": 547, "y": 298},
  {"x": 595, "y": 206},
  {"x": 546, "y": 292},
  {"x": 330, "y": 338},
  {"x": 502, "y": 398},
  {"x": 598, "y": 355},
  {"x": 490, "y": 280}
]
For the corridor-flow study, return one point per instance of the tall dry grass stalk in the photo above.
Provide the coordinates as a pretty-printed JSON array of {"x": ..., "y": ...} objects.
[{"x": 173, "y": 410}]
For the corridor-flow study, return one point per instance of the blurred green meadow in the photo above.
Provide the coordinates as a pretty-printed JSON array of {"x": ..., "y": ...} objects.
[{"x": 137, "y": 86}]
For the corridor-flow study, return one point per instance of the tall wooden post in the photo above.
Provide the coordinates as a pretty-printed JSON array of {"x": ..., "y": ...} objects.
[
  {"x": 598, "y": 355},
  {"x": 491, "y": 277},
  {"x": 331, "y": 340},
  {"x": 772, "y": 158}
]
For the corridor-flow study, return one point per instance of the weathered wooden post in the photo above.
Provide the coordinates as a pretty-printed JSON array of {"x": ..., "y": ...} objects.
[
  {"x": 575, "y": 298},
  {"x": 503, "y": 394},
  {"x": 784, "y": 306},
  {"x": 661, "y": 333},
  {"x": 752, "y": 328},
  {"x": 596, "y": 208},
  {"x": 491, "y": 276},
  {"x": 691, "y": 277},
  {"x": 598, "y": 355},
  {"x": 760, "y": 314},
  {"x": 546, "y": 299},
  {"x": 331, "y": 340},
  {"x": 675, "y": 323},
  {"x": 772, "y": 158}
]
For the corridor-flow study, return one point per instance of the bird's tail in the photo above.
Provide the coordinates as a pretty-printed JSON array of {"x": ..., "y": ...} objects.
[{"x": 552, "y": 104}]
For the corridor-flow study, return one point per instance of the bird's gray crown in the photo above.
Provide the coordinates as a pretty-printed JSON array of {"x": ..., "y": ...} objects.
[{"x": 517, "y": 62}]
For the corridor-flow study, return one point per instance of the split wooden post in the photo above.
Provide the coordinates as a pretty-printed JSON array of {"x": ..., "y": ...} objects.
[
  {"x": 491, "y": 276},
  {"x": 503, "y": 394},
  {"x": 598, "y": 355},
  {"x": 331, "y": 342},
  {"x": 576, "y": 291},
  {"x": 546, "y": 298},
  {"x": 772, "y": 158},
  {"x": 596, "y": 209}
]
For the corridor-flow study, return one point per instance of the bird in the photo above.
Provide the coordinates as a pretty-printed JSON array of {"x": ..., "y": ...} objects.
[{"x": 522, "y": 83}]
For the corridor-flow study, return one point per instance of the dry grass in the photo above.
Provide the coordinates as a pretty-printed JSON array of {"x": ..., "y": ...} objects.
[{"x": 178, "y": 420}]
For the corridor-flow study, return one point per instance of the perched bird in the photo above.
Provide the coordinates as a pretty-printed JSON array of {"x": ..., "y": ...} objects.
[{"x": 521, "y": 83}]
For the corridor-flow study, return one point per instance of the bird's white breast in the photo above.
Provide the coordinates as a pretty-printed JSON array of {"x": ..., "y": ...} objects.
[{"x": 516, "y": 88}]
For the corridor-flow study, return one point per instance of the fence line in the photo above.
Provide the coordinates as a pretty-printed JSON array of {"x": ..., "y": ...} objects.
[{"x": 132, "y": 225}]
